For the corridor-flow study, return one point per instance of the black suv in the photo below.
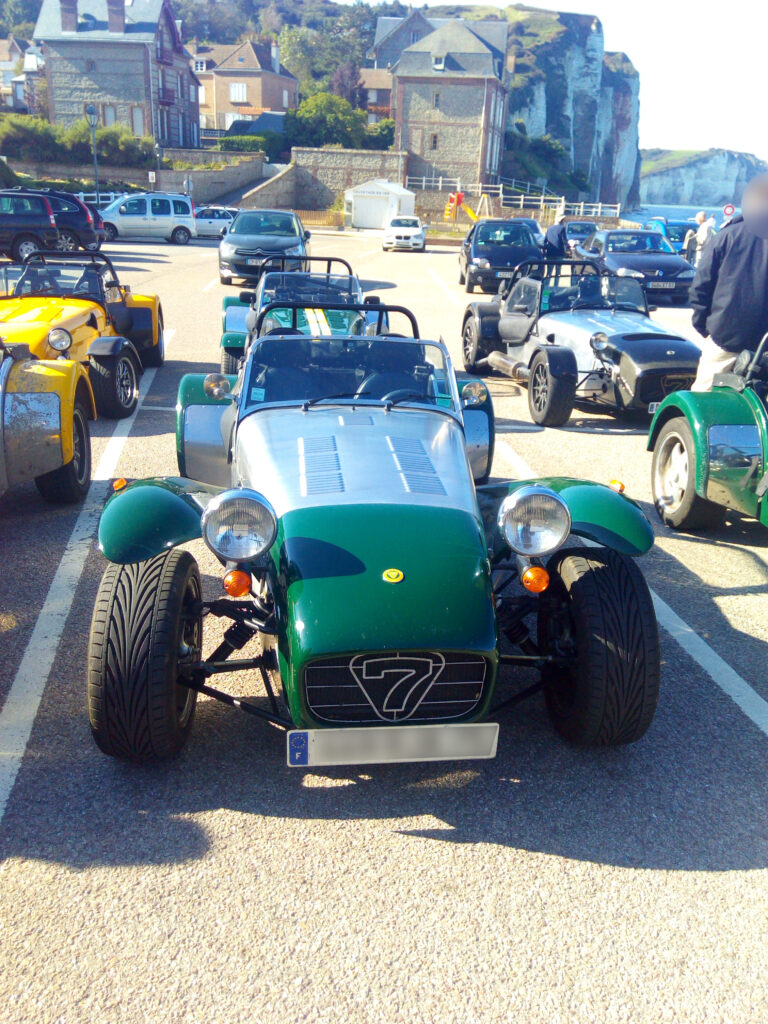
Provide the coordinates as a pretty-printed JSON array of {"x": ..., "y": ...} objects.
[
  {"x": 26, "y": 224},
  {"x": 73, "y": 218}
]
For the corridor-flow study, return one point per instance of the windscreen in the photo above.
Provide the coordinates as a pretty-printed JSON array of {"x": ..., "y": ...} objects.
[
  {"x": 60, "y": 279},
  {"x": 563, "y": 291},
  {"x": 677, "y": 232},
  {"x": 260, "y": 222},
  {"x": 310, "y": 288},
  {"x": 637, "y": 241},
  {"x": 506, "y": 233},
  {"x": 577, "y": 230},
  {"x": 405, "y": 222},
  {"x": 361, "y": 370}
]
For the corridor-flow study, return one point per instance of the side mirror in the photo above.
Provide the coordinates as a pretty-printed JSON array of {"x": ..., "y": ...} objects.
[
  {"x": 248, "y": 297},
  {"x": 223, "y": 231},
  {"x": 372, "y": 300},
  {"x": 216, "y": 386},
  {"x": 111, "y": 284},
  {"x": 307, "y": 235},
  {"x": 652, "y": 309},
  {"x": 520, "y": 307}
]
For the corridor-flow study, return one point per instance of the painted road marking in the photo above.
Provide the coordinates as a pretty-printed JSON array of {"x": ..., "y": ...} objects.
[
  {"x": 718, "y": 670},
  {"x": 438, "y": 280},
  {"x": 207, "y": 287}
]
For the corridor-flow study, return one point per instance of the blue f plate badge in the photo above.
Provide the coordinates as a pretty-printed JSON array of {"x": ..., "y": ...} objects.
[{"x": 391, "y": 744}]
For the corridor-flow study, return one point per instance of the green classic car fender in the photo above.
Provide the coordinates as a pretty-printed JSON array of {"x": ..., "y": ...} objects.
[
  {"x": 333, "y": 595},
  {"x": 597, "y": 512},
  {"x": 710, "y": 413},
  {"x": 234, "y": 341},
  {"x": 151, "y": 516}
]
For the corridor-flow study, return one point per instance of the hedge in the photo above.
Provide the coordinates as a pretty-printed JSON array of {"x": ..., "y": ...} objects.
[{"x": 34, "y": 140}]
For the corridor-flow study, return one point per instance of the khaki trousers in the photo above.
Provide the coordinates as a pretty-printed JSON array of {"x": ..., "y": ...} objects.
[{"x": 713, "y": 360}]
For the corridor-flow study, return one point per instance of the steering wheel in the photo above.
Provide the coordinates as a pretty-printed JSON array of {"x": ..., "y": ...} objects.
[{"x": 398, "y": 393}]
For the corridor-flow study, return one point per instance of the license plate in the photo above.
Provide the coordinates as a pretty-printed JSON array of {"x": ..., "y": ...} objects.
[
  {"x": 652, "y": 407},
  {"x": 661, "y": 284},
  {"x": 252, "y": 263},
  {"x": 391, "y": 744},
  {"x": 505, "y": 273}
]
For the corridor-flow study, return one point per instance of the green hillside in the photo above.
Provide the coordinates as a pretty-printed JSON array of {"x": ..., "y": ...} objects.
[{"x": 656, "y": 160}]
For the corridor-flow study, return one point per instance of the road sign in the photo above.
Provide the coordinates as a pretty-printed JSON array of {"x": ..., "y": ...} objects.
[
  {"x": 728, "y": 210},
  {"x": 152, "y": 176}
]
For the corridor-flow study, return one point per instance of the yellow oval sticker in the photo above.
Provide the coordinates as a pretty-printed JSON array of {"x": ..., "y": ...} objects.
[{"x": 392, "y": 576}]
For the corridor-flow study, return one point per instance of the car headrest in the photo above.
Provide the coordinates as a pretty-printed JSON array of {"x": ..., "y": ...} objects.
[
  {"x": 395, "y": 356},
  {"x": 293, "y": 353}
]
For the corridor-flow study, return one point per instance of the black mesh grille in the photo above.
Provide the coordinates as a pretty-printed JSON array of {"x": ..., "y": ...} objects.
[
  {"x": 395, "y": 686},
  {"x": 652, "y": 387}
]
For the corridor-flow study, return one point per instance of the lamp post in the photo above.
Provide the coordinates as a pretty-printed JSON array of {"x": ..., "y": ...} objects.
[{"x": 93, "y": 118}]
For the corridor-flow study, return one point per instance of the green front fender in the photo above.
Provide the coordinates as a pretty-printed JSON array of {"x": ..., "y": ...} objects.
[
  {"x": 151, "y": 516},
  {"x": 597, "y": 512},
  {"x": 234, "y": 339}
]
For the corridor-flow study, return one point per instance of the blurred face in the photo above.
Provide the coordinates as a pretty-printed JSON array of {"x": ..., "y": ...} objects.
[
  {"x": 754, "y": 205},
  {"x": 700, "y": 218}
]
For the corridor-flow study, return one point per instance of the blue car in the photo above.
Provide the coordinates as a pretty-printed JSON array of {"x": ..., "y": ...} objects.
[{"x": 673, "y": 230}]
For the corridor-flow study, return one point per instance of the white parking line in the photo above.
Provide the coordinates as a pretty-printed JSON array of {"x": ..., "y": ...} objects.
[
  {"x": 454, "y": 298},
  {"x": 17, "y": 716},
  {"x": 207, "y": 287},
  {"x": 718, "y": 670}
]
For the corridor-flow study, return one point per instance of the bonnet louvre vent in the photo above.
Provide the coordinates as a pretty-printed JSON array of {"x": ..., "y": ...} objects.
[
  {"x": 319, "y": 466},
  {"x": 417, "y": 471}
]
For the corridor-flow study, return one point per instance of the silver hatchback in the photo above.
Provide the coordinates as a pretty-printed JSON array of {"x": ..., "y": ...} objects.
[{"x": 151, "y": 215}]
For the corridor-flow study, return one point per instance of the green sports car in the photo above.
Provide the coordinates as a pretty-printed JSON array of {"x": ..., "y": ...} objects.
[{"x": 342, "y": 483}]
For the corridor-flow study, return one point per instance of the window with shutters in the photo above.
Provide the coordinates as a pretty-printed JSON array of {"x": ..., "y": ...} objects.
[{"x": 237, "y": 92}]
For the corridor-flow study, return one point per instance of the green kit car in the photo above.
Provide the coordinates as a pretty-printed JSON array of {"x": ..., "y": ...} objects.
[
  {"x": 710, "y": 448},
  {"x": 342, "y": 484}
]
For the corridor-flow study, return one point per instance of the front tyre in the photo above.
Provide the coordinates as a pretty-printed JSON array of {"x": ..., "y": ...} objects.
[
  {"x": 230, "y": 363},
  {"x": 146, "y": 624},
  {"x": 24, "y": 246},
  {"x": 673, "y": 480},
  {"x": 470, "y": 345},
  {"x": 598, "y": 614},
  {"x": 550, "y": 399},
  {"x": 70, "y": 483},
  {"x": 115, "y": 383}
]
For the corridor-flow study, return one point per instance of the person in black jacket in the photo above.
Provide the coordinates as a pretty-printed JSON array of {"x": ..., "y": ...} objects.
[
  {"x": 729, "y": 297},
  {"x": 556, "y": 240}
]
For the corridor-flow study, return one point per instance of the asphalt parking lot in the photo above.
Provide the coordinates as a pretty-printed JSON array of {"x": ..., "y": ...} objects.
[{"x": 549, "y": 885}]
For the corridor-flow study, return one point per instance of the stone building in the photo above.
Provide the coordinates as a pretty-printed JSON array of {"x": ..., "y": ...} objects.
[
  {"x": 394, "y": 35},
  {"x": 377, "y": 83},
  {"x": 127, "y": 59},
  {"x": 450, "y": 104},
  {"x": 238, "y": 83},
  {"x": 11, "y": 58}
]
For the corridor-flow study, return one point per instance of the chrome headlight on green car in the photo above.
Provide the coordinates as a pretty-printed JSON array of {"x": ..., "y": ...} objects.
[
  {"x": 59, "y": 339},
  {"x": 534, "y": 521},
  {"x": 239, "y": 525}
]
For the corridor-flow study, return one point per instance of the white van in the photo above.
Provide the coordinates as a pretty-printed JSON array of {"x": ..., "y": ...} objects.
[{"x": 166, "y": 215}]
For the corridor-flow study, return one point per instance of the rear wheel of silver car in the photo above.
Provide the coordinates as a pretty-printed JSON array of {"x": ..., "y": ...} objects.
[
  {"x": 115, "y": 383},
  {"x": 24, "y": 246},
  {"x": 155, "y": 356},
  {"x": 597, "y": 615},
  {"x": 68, "y": 240},
  {"x": 180, "y": 236},
  {"x": 550, "y": 399},
  {"x": 111, "y": 232},
  {"x": 70, "y": 483},
  {"x": 673, "y": 480},
  {"x": 146, "y": 635}
]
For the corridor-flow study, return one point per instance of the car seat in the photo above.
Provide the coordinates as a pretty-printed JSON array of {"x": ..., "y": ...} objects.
[{"x": 589, "y": 291}]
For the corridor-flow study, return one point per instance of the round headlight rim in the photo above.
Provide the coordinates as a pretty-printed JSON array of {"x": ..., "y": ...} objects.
[
  {"x": 510, "y": 501},
  {"x": 60, "y": 331},
  {"x": 231, "y": 494}
]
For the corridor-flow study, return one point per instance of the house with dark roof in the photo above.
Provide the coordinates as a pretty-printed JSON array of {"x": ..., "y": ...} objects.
[
  {"x": 377, "y": 84},
  {"x": 394, "y": 35},
  {"x": 238, "y": 83},
  {"x": 126, "y": 58},
  {"x": 11, "y": 57},
  {"x": 450, "y": 93}
]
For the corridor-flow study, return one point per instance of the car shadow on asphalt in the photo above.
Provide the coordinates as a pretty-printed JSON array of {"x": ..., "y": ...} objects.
[{"x": 689, "y": 796}]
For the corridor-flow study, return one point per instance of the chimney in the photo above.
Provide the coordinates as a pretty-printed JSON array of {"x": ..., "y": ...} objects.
[
  {"x": 116, "y": 16},
  {"x": 68, "y": 15},
  {"x": 275, "y": 54}
]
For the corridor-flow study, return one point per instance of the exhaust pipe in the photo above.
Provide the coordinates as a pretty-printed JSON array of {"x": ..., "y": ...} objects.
[{"x": 511, "y": 367}]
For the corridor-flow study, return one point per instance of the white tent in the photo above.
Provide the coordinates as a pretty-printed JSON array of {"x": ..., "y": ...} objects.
[{"x": 374, "y": 203}]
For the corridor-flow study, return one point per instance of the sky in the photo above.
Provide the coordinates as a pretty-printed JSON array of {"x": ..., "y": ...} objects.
[{"x": 703, "y": 68}]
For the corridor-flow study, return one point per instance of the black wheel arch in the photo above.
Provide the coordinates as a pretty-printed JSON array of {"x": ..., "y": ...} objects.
[
  {"x": 110, "y": 347},
  {"x": 561, "y": 361}
]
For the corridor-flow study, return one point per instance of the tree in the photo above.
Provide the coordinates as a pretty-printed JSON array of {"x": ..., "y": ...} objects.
[
  {"x": 271, "y": 20},
  {"x": 345, "y": 81},
  {"x": 325, "y": 120}
]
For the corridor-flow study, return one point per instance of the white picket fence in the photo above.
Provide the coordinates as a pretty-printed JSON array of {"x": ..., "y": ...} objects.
[
  {"x": 513, "y": 197},
  {"x": 105, "y": 198}
]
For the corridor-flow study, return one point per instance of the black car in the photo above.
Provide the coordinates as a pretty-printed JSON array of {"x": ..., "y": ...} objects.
[
  {"x": 27, "y": 224},
  {"x": 73, "y": 218},
  {"x": 491, "y": 251},
  {"x": 645, "y": 256},
  {"x": 255, "y": 235}
]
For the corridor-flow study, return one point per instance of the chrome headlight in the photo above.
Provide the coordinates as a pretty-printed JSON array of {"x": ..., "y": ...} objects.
[
  {"x": 226, "y": 249},
  {"x": 628, "y": 272},
  {"x": 239, "y": 525},
  {"x": 59, "y": 339},
  {"x": 481, "y": 261},
  {"x": 534, "y": 521},
  {"x": 686, "y": 275},
  {"x": 295, "y": 250}
]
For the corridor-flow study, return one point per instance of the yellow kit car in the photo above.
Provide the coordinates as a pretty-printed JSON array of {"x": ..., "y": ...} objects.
[
  {"x": 45, "y": 406},
  {"x": 72, "y": 303}
]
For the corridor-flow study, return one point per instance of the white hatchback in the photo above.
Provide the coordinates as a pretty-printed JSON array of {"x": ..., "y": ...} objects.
[{"x": 404, "y": 233}]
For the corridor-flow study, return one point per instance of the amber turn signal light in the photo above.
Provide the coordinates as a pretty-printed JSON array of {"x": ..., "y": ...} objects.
[
  {"x": 237, "y": 583},
  {"x": 617, "y": 485},
  {"x": 535, "y": 579},
  {"x": 119, "y": 484}
]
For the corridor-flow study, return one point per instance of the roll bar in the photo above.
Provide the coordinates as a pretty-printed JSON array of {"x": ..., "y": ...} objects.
[
  {"x": 357, "y": 307},
  {"x": 327, "y": 260}
]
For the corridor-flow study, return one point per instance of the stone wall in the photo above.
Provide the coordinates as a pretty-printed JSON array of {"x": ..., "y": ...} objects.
[
  {"x": 210, "y": 156},
  {"x": 339, "y": 169},
  {"x": 278, "y": 192},
  {"x": 81, "y": 72}
]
